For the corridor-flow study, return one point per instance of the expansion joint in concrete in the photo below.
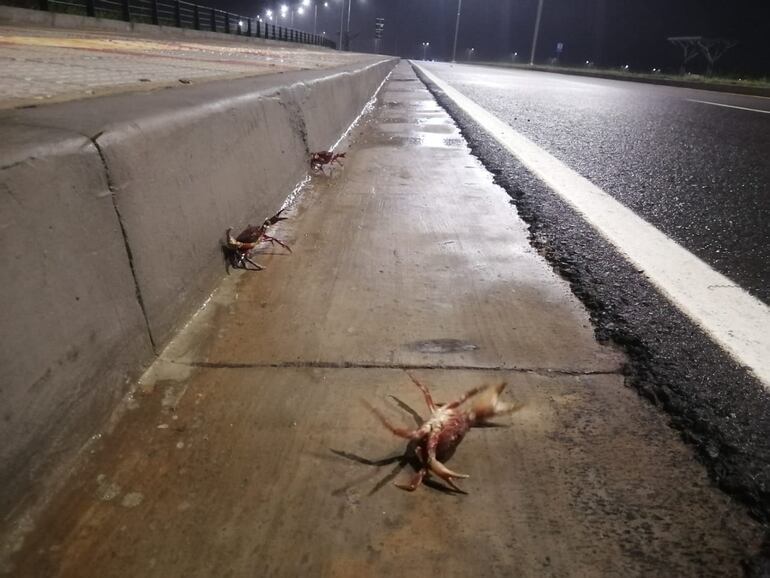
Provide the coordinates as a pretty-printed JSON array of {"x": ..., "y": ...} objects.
[
  {"x": 111, "y": 186},
  {"x": 405, "y": 367}
]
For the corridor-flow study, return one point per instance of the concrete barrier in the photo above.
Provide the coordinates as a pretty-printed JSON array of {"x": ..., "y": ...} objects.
[
  {"x": 113, "y": 213},
  {"x": 72, "y": 331}
]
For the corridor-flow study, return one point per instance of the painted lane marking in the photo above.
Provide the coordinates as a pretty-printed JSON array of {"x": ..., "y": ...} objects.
[
  {"x": 734, "y": 319},
  {"x": 729, "y": 106}
]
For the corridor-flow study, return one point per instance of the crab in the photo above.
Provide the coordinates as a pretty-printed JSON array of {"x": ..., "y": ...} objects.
[
  {"x": 320, "y": 159},
  {"x": 238, "y": 249},
  {"x": 437, "y": 438}
]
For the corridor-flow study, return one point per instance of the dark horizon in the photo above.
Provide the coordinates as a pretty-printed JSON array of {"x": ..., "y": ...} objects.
[{"x": 606, "y": 33}]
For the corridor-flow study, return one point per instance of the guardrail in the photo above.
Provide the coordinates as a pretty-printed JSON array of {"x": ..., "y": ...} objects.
[{"x": 181, "y": 14}]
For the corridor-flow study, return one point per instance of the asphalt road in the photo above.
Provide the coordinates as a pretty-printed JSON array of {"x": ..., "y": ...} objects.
[{"x": 699, "y": 173}]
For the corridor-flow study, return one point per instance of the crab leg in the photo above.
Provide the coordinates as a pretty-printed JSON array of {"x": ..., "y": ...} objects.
[
  {"x": 399, "y": 431},
  {"x": 414, "y": 483},
  {"x": 425, "y": 392},
  {"x": 416, "y": 480},
  {"x": 274, "y": 240},
  {"x": 257, "y": 265},
  {"x": 465, "y": 396}
]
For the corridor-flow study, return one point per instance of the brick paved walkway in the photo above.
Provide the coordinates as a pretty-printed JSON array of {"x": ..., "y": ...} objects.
[{"x": 50, "y": 65}]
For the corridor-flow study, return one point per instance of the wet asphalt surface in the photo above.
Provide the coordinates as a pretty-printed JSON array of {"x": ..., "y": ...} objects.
[
  {"x": 700, "y": 173},
  {"x": 697, "y": 172}
]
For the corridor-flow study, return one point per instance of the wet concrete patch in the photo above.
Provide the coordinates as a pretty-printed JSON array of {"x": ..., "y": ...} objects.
[
  {"x": 441, "y": 346},
  {"x": 425, "y": 140},
  {"x": 434, "y": 128},
  {"x": 394, "y": 120}
]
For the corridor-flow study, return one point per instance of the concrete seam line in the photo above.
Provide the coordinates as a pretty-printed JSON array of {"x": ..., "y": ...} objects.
[
  {"x": 397, "y": 366},
  {"x": 731, "y": 317},
  {"x": 126, "y": 244}
]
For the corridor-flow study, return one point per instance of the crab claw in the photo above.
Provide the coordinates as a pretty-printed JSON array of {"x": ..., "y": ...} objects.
[
  {"x": 443, "y": 472},
  {"x": 488, "y": 404}
]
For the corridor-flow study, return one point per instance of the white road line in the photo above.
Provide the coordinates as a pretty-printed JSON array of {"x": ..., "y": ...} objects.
[
  {"x": 738, "y": 322},
  {"x": 729, "y": 105}
]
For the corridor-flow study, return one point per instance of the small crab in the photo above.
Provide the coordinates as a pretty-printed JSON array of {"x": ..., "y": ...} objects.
[
  {"x": 437, "y": 438},
  {"x": 238, "y": 249},
  {"x": 320, "y": 159}
]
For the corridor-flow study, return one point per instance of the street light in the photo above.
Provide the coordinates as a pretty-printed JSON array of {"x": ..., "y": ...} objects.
[
  {"x": 537, "y": 30},
  {"x": 457, "y": 28},
  {"x": 425, "y": 50},
  {"x": 306, "y": 3}
]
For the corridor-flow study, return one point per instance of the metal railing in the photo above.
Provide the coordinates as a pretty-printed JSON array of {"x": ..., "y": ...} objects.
[{"x": 182, "y": 14}]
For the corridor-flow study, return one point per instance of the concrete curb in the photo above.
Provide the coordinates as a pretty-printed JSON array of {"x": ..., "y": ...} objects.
[{"x": 113, "y": 214}]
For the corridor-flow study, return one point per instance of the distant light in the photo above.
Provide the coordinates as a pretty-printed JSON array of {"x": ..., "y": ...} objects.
[
  {"x": 587, "y": 62},
  {"x": 306, "y": 2},
  {"x": 300, "y": 10},
  {"x": 240, "y": 23},
  {"x": 284, "y": 8},
  {"x": 515, "y": 53},
  {"x": 269, "y": 13},
  {"x": 326, "y": 4}
]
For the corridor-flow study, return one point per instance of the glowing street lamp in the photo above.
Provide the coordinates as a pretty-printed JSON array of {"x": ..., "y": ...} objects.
[{"x": 425, "y": 46}]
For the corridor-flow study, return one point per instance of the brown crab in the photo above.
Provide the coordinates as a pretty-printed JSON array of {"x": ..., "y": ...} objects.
[
  {"x": 238, "y": 249},
  {"x": 323, "y": 158},
  {"x": 437, "y": 438}
]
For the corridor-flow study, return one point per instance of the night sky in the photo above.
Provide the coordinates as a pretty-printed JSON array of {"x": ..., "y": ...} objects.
[{"x": 606, "y": 32}]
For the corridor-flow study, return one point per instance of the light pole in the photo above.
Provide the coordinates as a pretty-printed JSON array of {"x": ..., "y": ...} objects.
[
  {"x": 457, "y": 28},
  {"x": 537, "y": 30},
  {"x": 425, "y": 50},
  {"x": 347, "y": 28},
  {"x": 342, "y": 20},
  {"x": 315, "y": 15}
]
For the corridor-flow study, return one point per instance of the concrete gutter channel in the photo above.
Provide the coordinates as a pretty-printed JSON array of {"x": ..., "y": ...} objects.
[{"x": 244, "y": 450}]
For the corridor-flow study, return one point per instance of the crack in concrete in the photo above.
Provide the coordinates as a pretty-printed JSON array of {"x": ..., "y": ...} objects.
[
  {"x": 127, "y": 245},
  {"x": 401, "y": 366}
]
